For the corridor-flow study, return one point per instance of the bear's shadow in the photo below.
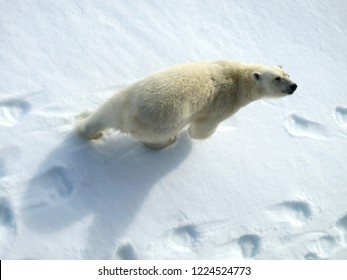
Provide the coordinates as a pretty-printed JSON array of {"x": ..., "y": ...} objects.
[{"x": 96, "y": 185}]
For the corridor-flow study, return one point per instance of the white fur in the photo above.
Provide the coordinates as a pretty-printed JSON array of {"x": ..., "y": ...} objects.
[{"x": 154, "y": 110}]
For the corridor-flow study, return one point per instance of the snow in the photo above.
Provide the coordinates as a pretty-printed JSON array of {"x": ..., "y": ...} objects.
[{"x": 269, "y": 184}]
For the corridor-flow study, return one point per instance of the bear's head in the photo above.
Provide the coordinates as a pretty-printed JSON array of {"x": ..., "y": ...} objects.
[{"x": 273, "y": 81}]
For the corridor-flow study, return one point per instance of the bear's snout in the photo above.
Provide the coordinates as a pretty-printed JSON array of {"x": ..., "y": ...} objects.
[{"x": 292, "y": 88}]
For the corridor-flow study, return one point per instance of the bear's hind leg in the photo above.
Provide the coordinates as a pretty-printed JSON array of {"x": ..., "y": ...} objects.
[
  {"x": 161, "y": 145},
  {"x": 201, "y": 130}
]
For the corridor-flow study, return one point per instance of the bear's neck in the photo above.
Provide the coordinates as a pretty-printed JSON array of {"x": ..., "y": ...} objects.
[{"x": 247, "y": 87}]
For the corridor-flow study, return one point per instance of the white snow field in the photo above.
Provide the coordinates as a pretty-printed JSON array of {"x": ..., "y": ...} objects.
[{"x": 271, "y": 183}]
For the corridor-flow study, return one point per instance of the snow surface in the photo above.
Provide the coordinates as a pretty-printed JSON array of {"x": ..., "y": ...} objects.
[{"x": 270, "y": 184}]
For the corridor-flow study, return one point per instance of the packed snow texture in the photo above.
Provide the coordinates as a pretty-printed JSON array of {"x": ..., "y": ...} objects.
[{"x": 271, "y": 183}]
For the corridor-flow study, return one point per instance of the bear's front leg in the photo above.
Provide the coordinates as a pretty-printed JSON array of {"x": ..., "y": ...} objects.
[
  {"x": 202, "y": 129},
  {"x": 90, "y": 130}
]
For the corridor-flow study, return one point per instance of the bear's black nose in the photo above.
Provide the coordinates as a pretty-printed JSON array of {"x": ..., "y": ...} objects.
[{"x": 293, "y": 87}]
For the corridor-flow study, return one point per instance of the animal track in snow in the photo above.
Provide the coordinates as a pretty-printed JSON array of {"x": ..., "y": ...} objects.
[
  {"x": 327, "y": 245},
  {"x": 126, "y": 252},
  {"x": 12, "y": 111},
  {"x": 341, "y": 116},
  {"x": 300, "y": 127},
  {"x": 189, "y": 231},
  {"x": 244, "y": 247},
  {"x": 311, "y": 256},
  {"x": 179, "y": 242},
  {"x": 7, "y": 225},
  {"x": 185, "y": 236},
  {"x": 50, "y": 187},
  {"x": 342, "y": 224},
  {"x": 250, "y": 245},
  {"x": 331, "y": 245},
  {"x": 210, "y": 240},
  {"x": 295, "y": 213}
]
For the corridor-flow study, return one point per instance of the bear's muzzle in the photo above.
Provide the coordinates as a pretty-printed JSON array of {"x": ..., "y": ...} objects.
[{"x": 291, "y": 88}]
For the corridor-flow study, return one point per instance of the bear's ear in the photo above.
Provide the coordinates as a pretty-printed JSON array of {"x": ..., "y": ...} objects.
[
  {"x": 280, "y": 66},
  {"x": 256, "y": 76}
]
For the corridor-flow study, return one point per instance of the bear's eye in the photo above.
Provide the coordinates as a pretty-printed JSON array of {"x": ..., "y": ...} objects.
[{"x": 277, "y": 79}]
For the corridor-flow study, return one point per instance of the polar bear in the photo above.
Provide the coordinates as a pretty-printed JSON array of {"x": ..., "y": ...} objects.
[{"x": 199, "y": 95}]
